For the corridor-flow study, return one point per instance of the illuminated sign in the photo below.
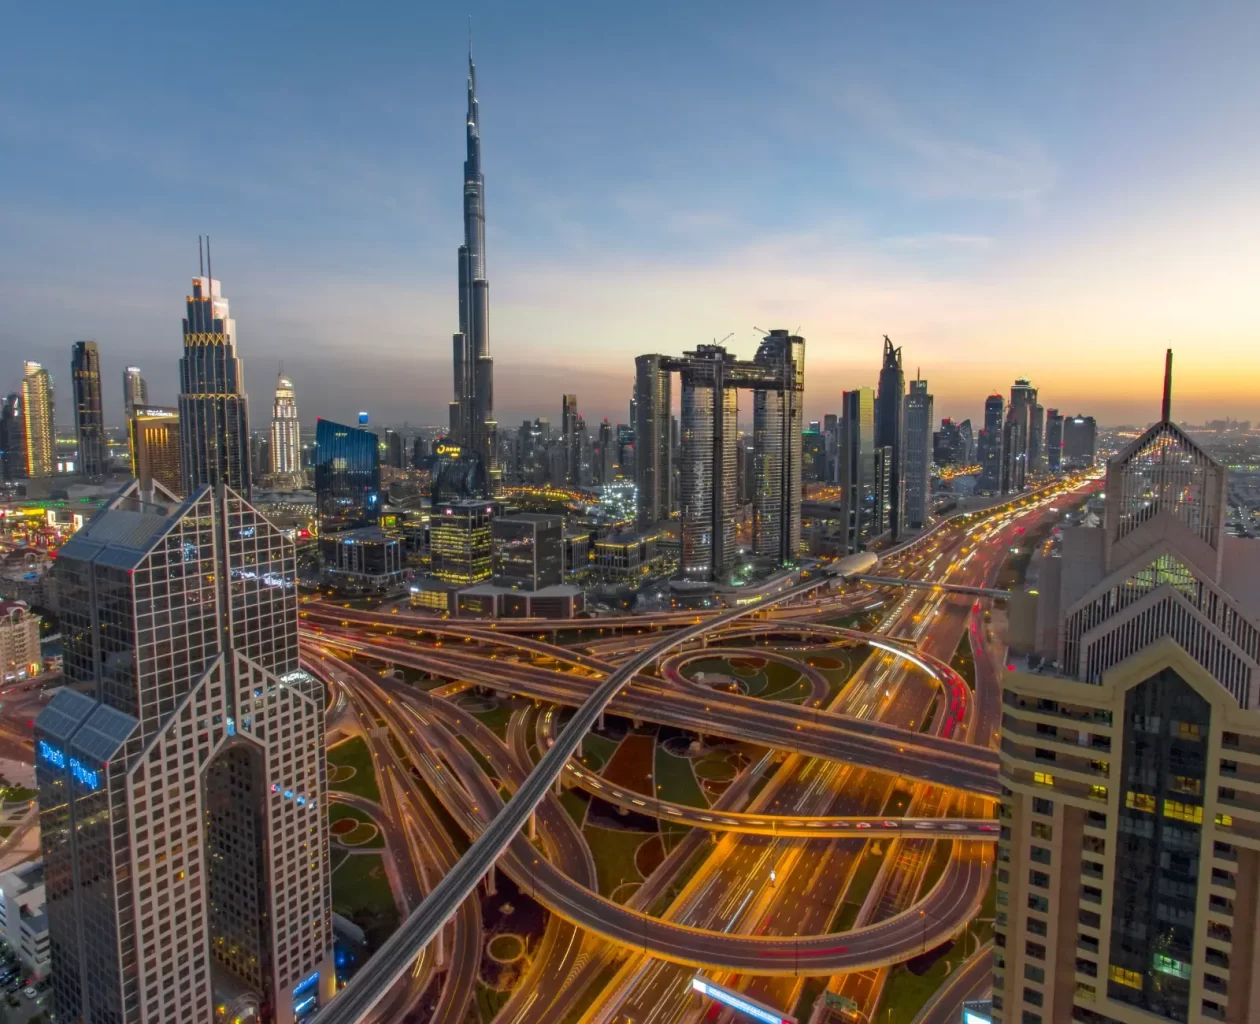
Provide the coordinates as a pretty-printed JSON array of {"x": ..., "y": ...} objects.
[
  {"x": 305, "y": 983},
  {"x": 971, "y": 1017},
  {"x": 84, "y": 775},
  {"x": 453, "y": 450},
  {"x": 740, "y": 1004},
  {"x": 362, "y": 417},
  {"x": 51, "y": 754}
]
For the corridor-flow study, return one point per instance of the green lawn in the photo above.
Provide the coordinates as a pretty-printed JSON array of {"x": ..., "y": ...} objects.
[
  {"x": 497, "y": 718},
  {"x": 679, "y": 882},
  {"x": 936, "y": 866},
  {"x": 576, "y": 801},
  {"x": 613, "y": 850},
  {"x": 483, "y": 762},
  {"x": 361, "y": 892},
  {"x": 490, "y": 1001},
  {"x": 354, "y": 753},
  {"x": 17, "y": 795},
  {"x": 782, "y": 682},
  {"x": 864, "y": 877},
  {"x": 597, "y": 750},
  {"x": 810, "y": 991},
  {"x": 338, "y": 811},
  {"x": 597, "y": 985},
  {"x": 672, "y": 834},
  {"x": 676, "y": 781}
]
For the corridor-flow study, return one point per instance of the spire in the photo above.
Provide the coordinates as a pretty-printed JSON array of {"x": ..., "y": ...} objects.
[
  {"x": 1166, "y": 415},
  {"x": 201, "y": 259}
]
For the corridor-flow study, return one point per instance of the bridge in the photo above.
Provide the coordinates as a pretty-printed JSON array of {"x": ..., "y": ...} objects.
[{"x": 953, "y": 588}]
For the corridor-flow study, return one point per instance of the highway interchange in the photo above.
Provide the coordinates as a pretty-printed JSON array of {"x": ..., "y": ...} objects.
[{"x": 811, "y": 823}]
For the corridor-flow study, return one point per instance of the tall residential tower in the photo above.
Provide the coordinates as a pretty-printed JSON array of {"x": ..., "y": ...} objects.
[
  {"x": 286, "y": 444},
  {"x": 135, "y": 391},
  {"x": 890, "y": 435},
  {"x": 472, "y": 410},
  {"x": 39, "y": 433}
]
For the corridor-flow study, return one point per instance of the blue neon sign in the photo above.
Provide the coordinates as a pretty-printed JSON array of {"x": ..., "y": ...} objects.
[
  {"x": 306, "y": 983},
  {"x": 51, "y": 754},
  {"x": 85, "y": 775},
  {"x": 737, "y": 1003},
  {"x": 303, "y": 1006}
]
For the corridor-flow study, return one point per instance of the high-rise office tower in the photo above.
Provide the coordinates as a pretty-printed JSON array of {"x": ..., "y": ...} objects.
[
  {"x": 654, "y": 473},
  {"x": 460, "y": 541},
  {"x": 569, "y": 438},
  {"x": 347, "y": 476},
  {"x": 181, "y": 773},
  {"x": 392, "y": 449},
  {"x": 707, "y": 474},
  {"x": 213, "y": 406},
  {"x": 890, "y": 433},
  {"x": 918, "y": 454},
  {"x": 89, "y": 414},
  {"x": 419, "y": 452},
  {"x": 857, "y": 467},
  {"x": 286, "y": 441},
  {"x": 777, "y": 447},
  {"x": 1036, "y": 436},
  {"x": 966, "y": 444},
  {"x": 1128, "y": 850},
  {"x": 1054, "y": 440},
  {"x": 989, "y": 445},
  {"x": 472, "y": 411},
  {"x": 153, "y": 434},
  {"x": 135, "y": 391},
  {"x": 1080, "y": 442},
  {"x": 12, "y": 438},
  {"x": 39, "y": 430},
  {"x": 1017, "y": 436},
  {"x": 605, "y": 454}
]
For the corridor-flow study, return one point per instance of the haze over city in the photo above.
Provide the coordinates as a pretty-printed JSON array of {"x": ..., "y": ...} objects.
[{"x": 1004, "y": 192}]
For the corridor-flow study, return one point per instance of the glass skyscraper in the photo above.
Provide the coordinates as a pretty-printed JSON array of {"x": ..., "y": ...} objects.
[
  {"x": 286, "y": 444},
  {"x": 213, "y": 407},
  {"x": 181, "y": 773},
  {"x": 39, "y": 432},
  {"x": 347, "y": 476},
  {"x": 89, "y": 416}
]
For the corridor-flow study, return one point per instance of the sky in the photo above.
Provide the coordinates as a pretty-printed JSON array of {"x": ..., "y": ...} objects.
[{"x": 1057, "y": 191}]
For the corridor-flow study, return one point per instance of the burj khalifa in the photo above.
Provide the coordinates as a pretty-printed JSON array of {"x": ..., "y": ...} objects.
[{"x": 472, "y": 410}]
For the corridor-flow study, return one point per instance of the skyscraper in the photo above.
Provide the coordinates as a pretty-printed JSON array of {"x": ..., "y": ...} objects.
[
  {"x": 918, "y": 458},
  {"x": 286, "y": 442},
  {"x": 213, "y": 406},
  {"x": 707, "y": 475},
  {"x": 89, "y": 415},
  {"x": 777, "y": 448},
  {"x": 181, "y": 772},
  {"x": 153, "y": 434},
  {"x": 1036, "y": 437},
  {"x": 654, "y": 474},
  {"x": 569, "y": 438},
  {"x": 12, "y": 438},
  {"x": 347, "y": 476},
  {"x": 1127, "y": 850},
  {"x": 1018, "y": 452},
  {"x": 605, "y": 454},
  {"x": 890, "y": 434},
  {"x": 989, "y": 445},
  {"x": 135, "y": 391},
  {"x": 472, "y": 411},
  {"x": 858, "y": 485},
  {"x": 39, "y": 431},
  {"x": 1054, "y": 440},
  {"x": 1080, "y": 442}
]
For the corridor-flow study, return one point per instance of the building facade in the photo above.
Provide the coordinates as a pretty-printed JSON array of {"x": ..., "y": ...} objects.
[
  {"x": 12, "y": 437},
  {"x": 1129, "y": 853},
  {"x": 460, "y": 545},
  {"x": 286, "y": 439},
  {"x": 20, "y": 656},
  {"x": 181, "y": 772},
  {"x": 918, "y": 459},
  {"x": 859, "y": 492},
  {"x": 527, "y": 550},
  {"x": 989, "y": 445},
  {"x": 89, "y": 413},
  {"x": 347, "y": 476},
  {"x": 39, "y": 432},
  {"x": 890, "y": 434},
  {"x": 213, "y": 406},
  {"x": 135, "y": 391},
  {"x": 654, "y": 472},
  {"x": 23, "y": 921},
  {"x": 1054, "y": 440},
  {"x": 777, "y": 448},
  {"x": 1080, "y": 442}
]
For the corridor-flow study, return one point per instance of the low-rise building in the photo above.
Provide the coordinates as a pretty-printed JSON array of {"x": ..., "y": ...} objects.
[
  {"x": 366, "y": 558},
  {"x": 23, "y": 921},
  {"x": 19, "y": 642}
]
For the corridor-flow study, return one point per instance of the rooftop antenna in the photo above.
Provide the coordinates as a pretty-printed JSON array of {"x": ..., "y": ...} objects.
[
  {"x": 209, "y": 267},
  {"x": 1167, "y": 410},
  {"x": 201, "y": 259}
]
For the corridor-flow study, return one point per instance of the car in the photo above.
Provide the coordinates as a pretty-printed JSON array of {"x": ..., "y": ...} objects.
[
  {"x": 863, "y": 824},
  {"x": 988, "y": 828},
  {"x": 29, "y": 992},
  {"x": 954, "y": 826},
  {"x": 924, "y": 824},
  {"x": 891, "y": 824}
]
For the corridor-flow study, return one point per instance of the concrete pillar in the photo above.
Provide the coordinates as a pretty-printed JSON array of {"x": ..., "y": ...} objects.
[
  {"x": 439, "y": 959},
  {"x": 490, "y": 881},
  {"x": 533, "y": 824},
  {"x": 560, "y": 784},
  {"x": 600, "y": 726},
  {"x": 579, "y": 749}
]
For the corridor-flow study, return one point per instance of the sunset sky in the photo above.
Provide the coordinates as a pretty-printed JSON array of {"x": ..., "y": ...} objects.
[{"x": 1057, "y": 191}]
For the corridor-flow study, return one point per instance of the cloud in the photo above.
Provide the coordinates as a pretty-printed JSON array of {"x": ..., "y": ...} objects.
[{"x": 934, "y": 240}]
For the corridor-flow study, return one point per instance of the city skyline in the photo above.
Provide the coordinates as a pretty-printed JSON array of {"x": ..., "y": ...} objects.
[{"x": 921, "y": 206}]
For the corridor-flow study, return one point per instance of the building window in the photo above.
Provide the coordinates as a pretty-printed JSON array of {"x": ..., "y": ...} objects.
[
  {"x": 1040, "y": 830},
  {"x": 1140, "y": 802},
  {"x": 1043, "y": 778},
  {"x": 1178, "y": 811},
  {"x": 1041, "y": 806},
  {"x": 1121, "y": 976},
  {"x": 1098, "y": 793}
]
